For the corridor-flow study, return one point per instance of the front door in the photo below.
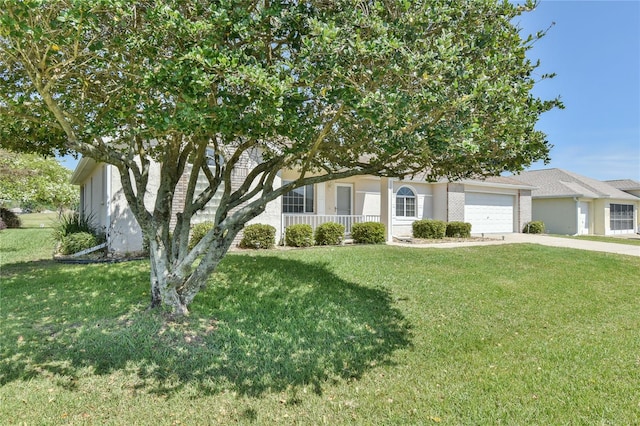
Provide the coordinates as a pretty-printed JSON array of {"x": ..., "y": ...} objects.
[
  {"x": 583, "y": 218},
  {"x": 343, "y": 200}
]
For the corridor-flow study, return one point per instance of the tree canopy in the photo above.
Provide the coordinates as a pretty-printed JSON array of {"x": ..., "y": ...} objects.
[
  {"x": 33, "y": 181},
  {"x": 330, "y": 88}
]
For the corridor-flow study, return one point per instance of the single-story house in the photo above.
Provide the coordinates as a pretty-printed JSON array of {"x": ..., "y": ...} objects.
[
  {"x": 572, "y": 204},
  {"x": 492, "y": 205}
]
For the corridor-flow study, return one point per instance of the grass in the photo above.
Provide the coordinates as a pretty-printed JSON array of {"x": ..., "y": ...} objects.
[
  {"x": 25, "y": 245},
  {"x": 629, "y": 240},
  {"x": 38, "y": 220},
  {"x": 513, "y": 334}
]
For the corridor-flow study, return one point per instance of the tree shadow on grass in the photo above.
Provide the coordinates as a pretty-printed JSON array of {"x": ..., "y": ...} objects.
[{"x": 265, "y": 324}]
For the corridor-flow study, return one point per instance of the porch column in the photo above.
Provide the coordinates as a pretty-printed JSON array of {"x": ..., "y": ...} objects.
[
  {"x": 321, "y": 198},
  {"x": 386, "y": 213}
]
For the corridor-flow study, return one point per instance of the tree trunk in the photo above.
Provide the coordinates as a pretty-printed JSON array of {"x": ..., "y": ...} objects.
[
  {"x": 156, "y": 299},
  {"x": 163, "y": 290},
  {"x": 175, "y": 284}
]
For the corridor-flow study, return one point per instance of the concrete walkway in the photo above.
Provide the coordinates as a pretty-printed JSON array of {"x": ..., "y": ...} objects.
[{"x": 545, "y": 240}]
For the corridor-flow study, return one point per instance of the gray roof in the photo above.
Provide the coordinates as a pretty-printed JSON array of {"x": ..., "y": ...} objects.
[
  {"x": 558, "y": 183},
  {"x": 624, "y": 184}
]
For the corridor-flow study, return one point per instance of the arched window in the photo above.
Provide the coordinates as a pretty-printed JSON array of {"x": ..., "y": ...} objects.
[{"x": 405, "y": 202}]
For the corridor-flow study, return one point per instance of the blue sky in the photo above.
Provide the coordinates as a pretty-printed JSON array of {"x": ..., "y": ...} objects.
[{"x": 594, "y": 48}]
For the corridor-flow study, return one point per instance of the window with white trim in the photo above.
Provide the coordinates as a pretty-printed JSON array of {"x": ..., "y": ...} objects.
[
  {"x": 299, "y": 200},
  {"x": 620, "y": 217},
  {"x": 405, "y": 202}
]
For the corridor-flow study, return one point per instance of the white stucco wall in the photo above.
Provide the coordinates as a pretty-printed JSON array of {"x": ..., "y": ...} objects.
[
  {"x": 94, "y": 197},
  {"x": 440, "y": 201},
  {"x": 125, "y": 234},
  {"x": 403, "y": 226}
]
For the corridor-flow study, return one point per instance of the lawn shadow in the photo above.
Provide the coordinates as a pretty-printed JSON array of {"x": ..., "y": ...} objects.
[{"x": 265, "y": 323}]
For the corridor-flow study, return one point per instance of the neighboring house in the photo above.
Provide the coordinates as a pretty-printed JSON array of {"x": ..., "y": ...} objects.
[
  {"x": 571, "y": 204},
  {"x": 492, "y": 205},
  {"x": 629, "y": 186}
]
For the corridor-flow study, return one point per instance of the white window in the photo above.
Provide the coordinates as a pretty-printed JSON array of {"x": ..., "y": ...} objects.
[
  {"x": 299, "y": 200},
  {"x": 405, "y": 202},
  {"x": 621, "y": 217}
]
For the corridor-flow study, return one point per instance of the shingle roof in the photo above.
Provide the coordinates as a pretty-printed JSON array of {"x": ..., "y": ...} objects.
[
  {"x": 558, "y": 183},
  {"x": 624, "y": 184}
]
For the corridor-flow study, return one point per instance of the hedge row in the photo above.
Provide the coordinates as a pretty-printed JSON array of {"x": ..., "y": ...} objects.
[
  {"x": 301, "y": 235},
  {"x": 331, "y": 233},
  {"x": 430, "y": 229}
]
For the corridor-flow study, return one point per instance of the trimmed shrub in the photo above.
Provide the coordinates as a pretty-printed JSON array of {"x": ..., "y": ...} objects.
[
  {"x": 368, "y": 233},
  {"x": 329, "y": 234},
  {"x": 73, "y": 243},
  {"x": 535, "y": 227},
  {"x": 300, "y": 235},
  {"x": 10, "y": 219},
  {"x": 258, "y": 236},
  {"x": 458, "y": 229},
  {"x": 198, "y": 231},
  {"x": 429, "y": 229}
]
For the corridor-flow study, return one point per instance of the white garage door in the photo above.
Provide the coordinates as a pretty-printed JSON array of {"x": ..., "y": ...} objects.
[{"x": 489, "y": 213}]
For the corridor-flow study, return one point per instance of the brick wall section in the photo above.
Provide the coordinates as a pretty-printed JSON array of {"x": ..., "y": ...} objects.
[
  {"x": 455, "y": 202},
  {"x": 179, "y": 197},
  {"x": 238, "y": 175}
]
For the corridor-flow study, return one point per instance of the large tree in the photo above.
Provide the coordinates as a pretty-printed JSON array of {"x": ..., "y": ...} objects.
[
  {"x": 34, "y": 181},
  {"x": 330, "y": 88}
]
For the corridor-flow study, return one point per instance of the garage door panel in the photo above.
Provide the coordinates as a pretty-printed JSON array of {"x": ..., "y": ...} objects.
[{"x": 489, "y": 213}]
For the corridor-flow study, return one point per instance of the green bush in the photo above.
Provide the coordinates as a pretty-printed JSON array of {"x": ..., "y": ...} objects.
[
  {"x": 198, "y": 231},
  {"x": 458, "y": 229},
  {"x": 429, "y": 229},
  {"x": 10, "y": 219},
  {"x": 258, "y": 236},
  {"x": 73, "y": 223},
  {"x": 329, "y": 234},
  {"x": 368, "y": 233},
  {"x": 535, "y": 227},
  {"x": 300, "y": 235},
  {"x": 73, "y": 243}
]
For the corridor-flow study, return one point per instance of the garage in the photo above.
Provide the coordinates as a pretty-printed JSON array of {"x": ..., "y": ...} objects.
[{"x": 489, "y": 213}]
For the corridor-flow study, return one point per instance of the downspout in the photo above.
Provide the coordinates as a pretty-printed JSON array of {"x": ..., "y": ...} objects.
[{"x": 108, "y": 204}]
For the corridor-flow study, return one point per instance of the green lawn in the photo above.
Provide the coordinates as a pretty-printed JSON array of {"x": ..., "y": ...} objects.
[
  {"x": 510, "y": 334},
  {"x": 630, "y": 240},
  {"x": 38, "y": 220}
]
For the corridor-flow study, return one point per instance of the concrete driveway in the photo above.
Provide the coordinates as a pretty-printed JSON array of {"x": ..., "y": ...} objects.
[{"x": 545, "y": 240}]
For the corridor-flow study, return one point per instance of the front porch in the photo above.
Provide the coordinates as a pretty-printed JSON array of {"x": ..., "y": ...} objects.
[{"x": 316, "y": 220}]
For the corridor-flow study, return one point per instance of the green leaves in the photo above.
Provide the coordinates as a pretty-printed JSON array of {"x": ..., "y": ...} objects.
[
  {"x": 408, "y": 75},
  {"x": 33, "y": 180}
]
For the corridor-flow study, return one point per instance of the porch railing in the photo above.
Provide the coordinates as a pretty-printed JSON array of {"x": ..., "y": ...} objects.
[{"x": 317, "y": 220}]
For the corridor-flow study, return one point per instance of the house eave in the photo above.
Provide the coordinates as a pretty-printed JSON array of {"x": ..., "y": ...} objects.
[
  {"x": 563, "y": 196},
  {"x": 82, "y": 171},
  {"x": 497, "y": 185}
]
